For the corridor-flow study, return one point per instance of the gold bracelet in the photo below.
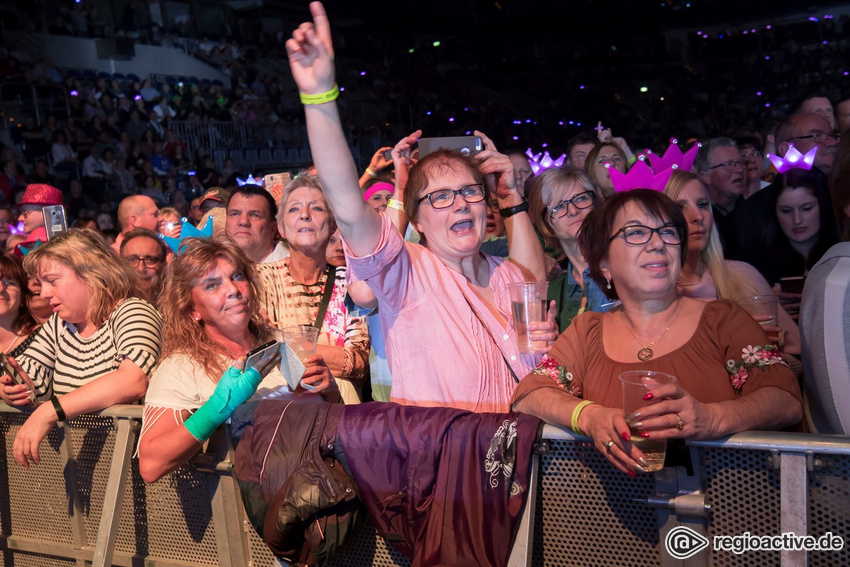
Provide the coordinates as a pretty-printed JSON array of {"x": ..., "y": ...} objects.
[
  {"x": 320, "y": 98},
  {"x": 577, "y": 412},
  {"x": 394, "y": 204}
]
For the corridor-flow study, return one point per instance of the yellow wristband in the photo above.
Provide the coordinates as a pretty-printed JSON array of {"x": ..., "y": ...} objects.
[
  {"x": 371, "y": 173},
  {"x": 577, "y": 412},
  {"x": 320, "y": 98},
  {"x": 394, "y": 204}
]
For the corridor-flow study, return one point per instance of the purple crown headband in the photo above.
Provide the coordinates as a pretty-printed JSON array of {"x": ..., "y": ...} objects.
[
  {"x": 541, "y": 161},
  {"x": 794, "y": 159}
]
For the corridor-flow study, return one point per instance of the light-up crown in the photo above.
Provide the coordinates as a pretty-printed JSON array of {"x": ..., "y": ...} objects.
[
  {"x": 674, "y": 157},
  {"x": 188, "y": 231},
  {"x": 638, "y": 177},
  {"x": 17, "y": 228},
  {"x": 543, "y": 161},
  {"x": 794, "y": 159},
  {"x": 250, "y": 181}
]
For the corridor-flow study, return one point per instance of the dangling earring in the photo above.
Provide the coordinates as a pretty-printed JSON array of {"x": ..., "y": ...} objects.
[{"x": 609, "y": 283}]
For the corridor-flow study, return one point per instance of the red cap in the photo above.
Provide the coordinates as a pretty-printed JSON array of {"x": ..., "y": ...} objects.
[{"x": 42, "y": 194}]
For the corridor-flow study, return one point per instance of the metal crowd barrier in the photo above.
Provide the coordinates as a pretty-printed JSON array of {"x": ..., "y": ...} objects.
[{"x": 86, "y": 504}]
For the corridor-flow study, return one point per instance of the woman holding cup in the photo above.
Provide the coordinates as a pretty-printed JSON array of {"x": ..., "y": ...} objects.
[
  {"x": 211, "y": 321},
  {"x": 729, "y": 377},
  {"x": 444, "y": 307},
  {"x": 707, "y": 275},
  {"x": 304, "y": 289}
]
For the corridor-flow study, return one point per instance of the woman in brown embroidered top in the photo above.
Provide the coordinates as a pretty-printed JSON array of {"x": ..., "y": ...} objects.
[{"x": 730, "y": 378}]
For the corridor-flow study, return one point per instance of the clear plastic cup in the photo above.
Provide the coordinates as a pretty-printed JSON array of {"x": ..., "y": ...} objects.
[
  {"x": 636, "y": 384},
  {"x": 761, "y": 305},
  {"x": 528, "y": 305}
]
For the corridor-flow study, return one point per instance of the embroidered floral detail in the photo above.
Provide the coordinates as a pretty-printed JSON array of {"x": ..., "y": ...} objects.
[
  {"x": 501, "y": 455},
  {"x": 550, "y": 367},
  {"x": 752, "y": 357}
]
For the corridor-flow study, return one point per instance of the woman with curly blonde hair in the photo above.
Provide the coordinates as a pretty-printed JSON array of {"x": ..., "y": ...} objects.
[
  {"x": 212, "y": 320},
  {"x": 99, "y": 346}
]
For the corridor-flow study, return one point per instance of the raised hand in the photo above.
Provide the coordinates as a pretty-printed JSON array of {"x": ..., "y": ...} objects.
[
  {"x": 311, "y": 53},
  {"x": 379, "y": 162},
  {"x": 493, "y": 162}
]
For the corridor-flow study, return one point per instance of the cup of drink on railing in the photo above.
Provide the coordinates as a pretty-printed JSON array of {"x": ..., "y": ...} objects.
[
  {"x": 636, "y": 384},
  {"x": 763, "y": 308},
  {"x": 528, "y": 305}
]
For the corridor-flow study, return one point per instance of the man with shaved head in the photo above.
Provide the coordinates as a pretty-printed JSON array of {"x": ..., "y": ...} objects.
[{"x": 136, "y": 211}]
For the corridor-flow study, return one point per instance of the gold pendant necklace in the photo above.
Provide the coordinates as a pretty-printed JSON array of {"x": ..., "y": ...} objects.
[{"x": 646, "y": 353}]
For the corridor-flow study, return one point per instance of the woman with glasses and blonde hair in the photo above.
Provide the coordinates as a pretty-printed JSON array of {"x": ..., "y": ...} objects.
[
  {"x": 99, "y": 346},
  {"x": 444, "y": 307},
  {"x": 706, "y": 274},
  {"x": 559, "y": 199}
]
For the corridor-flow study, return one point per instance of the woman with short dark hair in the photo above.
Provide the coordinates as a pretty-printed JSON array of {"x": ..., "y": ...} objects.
[{"x": 730, "y": 378}]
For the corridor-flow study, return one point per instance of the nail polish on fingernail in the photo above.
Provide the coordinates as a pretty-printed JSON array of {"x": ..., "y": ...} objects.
[
  {"x": 632, "y": 474},
  {"x": 642, "y": 461},
  {"x": 644, "y": 435},
  {"x": 626, "y": 436},
  {"x": 637, "y": 425},
  {"x": 648, "y": 397},
  {"x": 640, "y": 469}
]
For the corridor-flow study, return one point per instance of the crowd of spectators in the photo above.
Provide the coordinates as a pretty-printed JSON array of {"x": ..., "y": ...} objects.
[{"x": 417, "y": 304}]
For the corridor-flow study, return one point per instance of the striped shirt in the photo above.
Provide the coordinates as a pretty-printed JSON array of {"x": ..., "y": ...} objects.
[
  {"x": 59, "y": 358},
  {"x": 288, "y": 303}
]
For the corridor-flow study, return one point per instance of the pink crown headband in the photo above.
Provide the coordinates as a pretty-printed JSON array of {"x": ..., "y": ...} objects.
[
  {"x": 543, "y": 161},
  {"x": 674, "y": 157},
  {"x": 638, "y": 177},
  {"x": 794, "y": 159}
]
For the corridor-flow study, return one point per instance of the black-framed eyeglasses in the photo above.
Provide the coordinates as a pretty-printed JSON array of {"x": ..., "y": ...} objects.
[
  {"x": 445, "y": 198},
  {"x": 148, "y": 261},
  {"x": 729, "y": 165},
  {"x": 752, "y": 154},
  {"x": 819, "y": 137},
  {"x": 581, "y": 200},
  {"x": 637, "y": 234}
]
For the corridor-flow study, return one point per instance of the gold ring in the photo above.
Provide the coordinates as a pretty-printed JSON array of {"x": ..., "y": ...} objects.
[
  {"x": 680, "y": 423},
  {"x": 608, "y": 445}
]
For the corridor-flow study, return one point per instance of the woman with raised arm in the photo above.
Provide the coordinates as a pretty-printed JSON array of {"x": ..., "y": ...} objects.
[{"x": 444, "y": 307}]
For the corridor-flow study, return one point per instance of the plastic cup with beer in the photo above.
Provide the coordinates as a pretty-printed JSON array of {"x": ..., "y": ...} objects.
[
  {"x": 762, "y": 305},
  {"x": 528, "y": 305},
  {"x": 636, "y": 384}
]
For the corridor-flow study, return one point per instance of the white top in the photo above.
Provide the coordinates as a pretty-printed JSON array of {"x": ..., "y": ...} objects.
[{"x": 180, "y": 383}]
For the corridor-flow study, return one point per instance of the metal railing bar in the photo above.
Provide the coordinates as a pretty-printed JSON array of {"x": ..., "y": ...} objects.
[{"x": 756, "y": 440}]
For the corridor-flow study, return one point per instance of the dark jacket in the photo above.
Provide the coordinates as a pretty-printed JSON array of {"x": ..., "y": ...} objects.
[{"x": 417, "y": 470}]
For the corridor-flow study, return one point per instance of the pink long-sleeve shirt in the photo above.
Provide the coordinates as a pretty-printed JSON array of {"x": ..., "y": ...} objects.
[{"x": 438, "y": 351}]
